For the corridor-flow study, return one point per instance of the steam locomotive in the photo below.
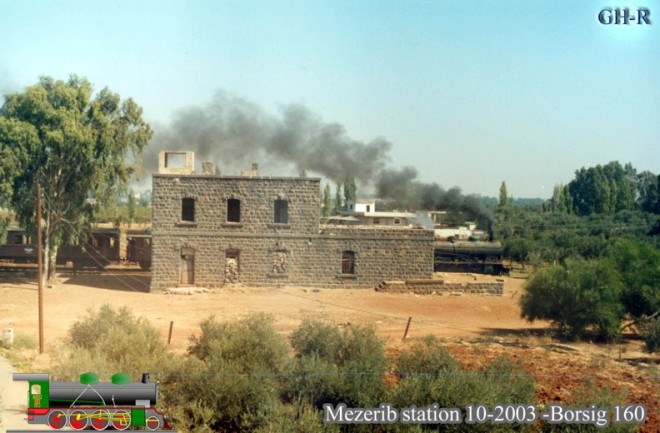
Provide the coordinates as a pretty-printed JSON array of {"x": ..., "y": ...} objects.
[
  {"x": 117, "y": 405},
  {"x": 102, "y": 247},
  {"x": 469, "y": 256}
]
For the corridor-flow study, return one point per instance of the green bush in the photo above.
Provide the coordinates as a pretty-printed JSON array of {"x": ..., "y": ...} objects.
[
  {"x": 337, "y": 366},
  {"x": 297, "y": 417},
  {"x": 108, "y": 341},
  {"x": 580, "y": 296},
  {"x": 650, "y": 330},
  {"x": 316, "y": 338},
  {"x": 219, "y": 397},
  {"x": 252, "y": 344},
  {"x": 231, "y": 381},
  {"x": 428, "y": 374}
]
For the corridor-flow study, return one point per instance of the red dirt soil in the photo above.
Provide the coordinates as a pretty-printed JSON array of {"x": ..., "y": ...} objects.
[{"x": 474, "y": 328}]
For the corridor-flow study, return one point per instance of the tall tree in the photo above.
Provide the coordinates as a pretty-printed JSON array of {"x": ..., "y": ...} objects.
[
  {"x": 503, "y": 195},
  {"x": 73, "y": 144},
  {"x": 338, "y": 203},
  {"x": 648, "y": 192},
  {"x": 350, "y": 190},
  {"x": 327, "y": 201},
  {"x": 132, "y": 207}
]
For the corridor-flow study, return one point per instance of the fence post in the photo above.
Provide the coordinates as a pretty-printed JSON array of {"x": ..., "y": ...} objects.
[{"x": 405, "y": 334}]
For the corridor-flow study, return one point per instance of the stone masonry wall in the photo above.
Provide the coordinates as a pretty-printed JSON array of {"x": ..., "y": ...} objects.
[
  {"x": 299, "y": 252},
  {"x": 257, "y": 196},
  {"x": 428, "y": 287}
]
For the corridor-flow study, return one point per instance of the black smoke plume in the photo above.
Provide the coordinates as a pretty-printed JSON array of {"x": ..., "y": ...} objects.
[
  {"x": 233, "y": 132},
  {"x": 405, "y": 192}
]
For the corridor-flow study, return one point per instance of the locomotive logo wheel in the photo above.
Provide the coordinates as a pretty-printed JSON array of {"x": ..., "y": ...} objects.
[
  {"x": 153, "y": 423},
  {"x": 121, "y": 420},
  {"x": 78, "y": 419},
  {"x": 57, "y": 419},
  {"x": 100, "y": 420}
]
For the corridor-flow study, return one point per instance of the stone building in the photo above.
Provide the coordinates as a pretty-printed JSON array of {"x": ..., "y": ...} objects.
[{"x": 210, "y": 230}]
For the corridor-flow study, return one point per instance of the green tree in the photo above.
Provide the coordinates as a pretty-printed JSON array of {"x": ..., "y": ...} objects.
[
  {"x": 350, "y": 190},
  {"x": 648, "y": 192},
  {"x": 132, "y": 207},
  {"x": 504, "y": 197},
  {"x": 327, "y": 201},
  {"x": 603, "y": 189},
  {"x": 338, "y": 202},
  {"x": 517, "y": 248},
  {"x": 577, "y": 296},
  {"x": 639, "y": 266},
  {"x": 74, "y": 145}
]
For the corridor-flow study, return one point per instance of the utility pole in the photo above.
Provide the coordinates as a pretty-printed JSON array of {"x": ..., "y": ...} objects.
[{"x": 40, "y": 272}]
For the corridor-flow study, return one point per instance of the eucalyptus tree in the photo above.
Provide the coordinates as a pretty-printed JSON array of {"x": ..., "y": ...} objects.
[{"x": 75, "y": 144}]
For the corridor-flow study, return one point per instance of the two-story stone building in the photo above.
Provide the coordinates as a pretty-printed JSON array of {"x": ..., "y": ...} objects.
[{"x": 211, "y": 230}]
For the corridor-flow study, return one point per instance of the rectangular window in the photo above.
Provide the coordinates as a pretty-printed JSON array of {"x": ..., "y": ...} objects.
[
  {"x": 397, "y": 221},
  {"x": 188, "y": 209},
  {"x": 233, "y": 210},
  {"x": 281, "y": 211},
  {"x": 175, "y": 160},
  {"x": 368, "y": 208},
  {"x": 348, "y": 262}
]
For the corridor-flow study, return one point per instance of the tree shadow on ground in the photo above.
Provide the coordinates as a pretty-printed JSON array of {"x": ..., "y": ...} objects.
[
  {"x": 518, "y": 333},
  {"x": 120, "y": 280}
]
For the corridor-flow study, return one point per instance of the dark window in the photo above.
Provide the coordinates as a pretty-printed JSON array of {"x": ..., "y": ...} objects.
[
  {"x": 368, "y": 208},
  {"x": 188, "y": 209},
  {"x": 233, "y": 210},
  {"x": 348, "y": 262},
  {"x": 281, "y": 211}
]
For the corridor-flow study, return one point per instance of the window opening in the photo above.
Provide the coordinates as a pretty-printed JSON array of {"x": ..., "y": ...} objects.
[
  {"x": 188, "y": 209},
  {"x": 233, "y": 210},
  {"x": 348, "y": 262},
  {"x": 281, "y": 211},
  {"x": 231, "y": 266}
]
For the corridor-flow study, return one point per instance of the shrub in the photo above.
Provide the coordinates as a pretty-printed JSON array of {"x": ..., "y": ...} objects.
[
  {"x": 108, "y": 341},
  {"x": 21, "y": 341},
  {"x": 297, "y": 417},
  {"x": 218, "y": 397},
  {"x": 428, "y": 374},
  {"x": 316, "y": 338},
  {"x": 337, "y": 366},
  {"x": 578, "y": 296},
  {"x": 650, "y": 330},
  {"x": 230, "y": 383},
  {"x": 251, "y": 344}
]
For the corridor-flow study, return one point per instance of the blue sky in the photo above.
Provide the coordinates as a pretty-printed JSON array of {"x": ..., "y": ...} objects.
[{"x": 470, "y": 93}]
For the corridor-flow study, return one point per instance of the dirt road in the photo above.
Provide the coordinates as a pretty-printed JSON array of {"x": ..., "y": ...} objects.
[{"x": 13, "y": 403}]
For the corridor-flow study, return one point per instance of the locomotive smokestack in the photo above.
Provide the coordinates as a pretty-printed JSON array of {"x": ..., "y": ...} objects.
[{"x": 145, "y": 377}]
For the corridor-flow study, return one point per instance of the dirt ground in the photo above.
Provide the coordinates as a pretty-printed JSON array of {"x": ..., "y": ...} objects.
[{"x": 474, "y": 328}]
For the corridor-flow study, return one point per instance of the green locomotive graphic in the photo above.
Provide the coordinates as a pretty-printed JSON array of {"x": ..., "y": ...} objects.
[{"x": 117, "y": 405}]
